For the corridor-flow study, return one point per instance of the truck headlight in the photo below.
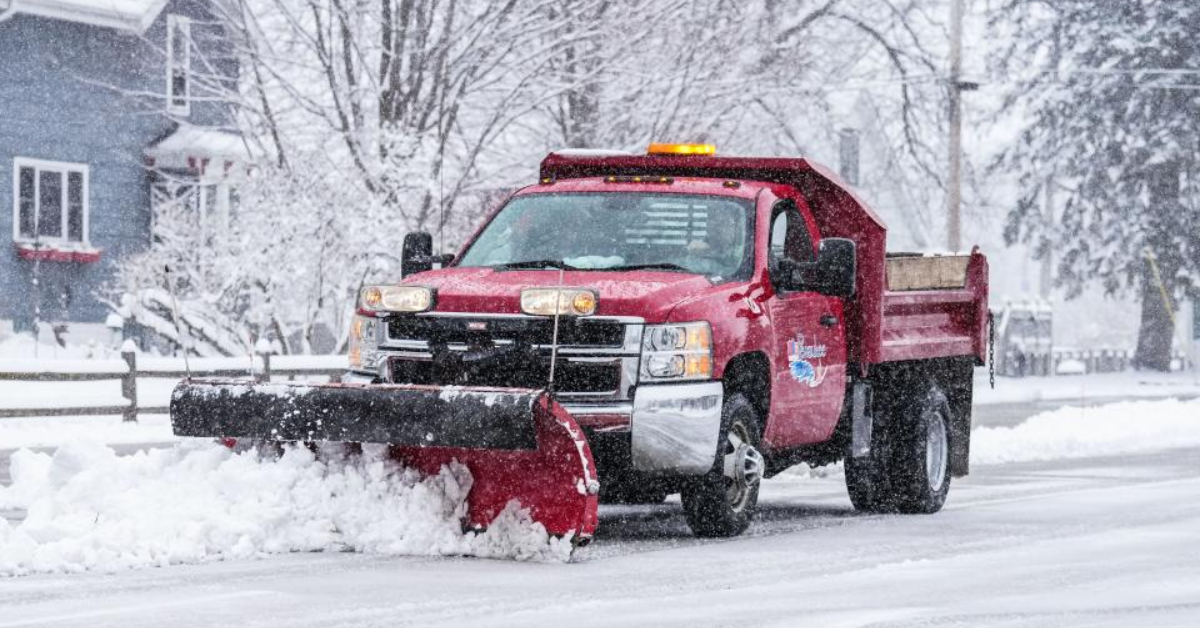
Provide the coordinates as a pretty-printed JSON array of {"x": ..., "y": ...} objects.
[
  {"x": 402, "y": 299},
  {"x": 563, "y": 301},
  {"x": 364, "y": 342},
  {"x": 681, "y": 351}
]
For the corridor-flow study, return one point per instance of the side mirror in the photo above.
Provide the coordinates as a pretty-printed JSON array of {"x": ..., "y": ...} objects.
[
  {"x": 417, "y": 255},
  {"x": 837, "y": 267},
  {"x": 832, "y": 274}
]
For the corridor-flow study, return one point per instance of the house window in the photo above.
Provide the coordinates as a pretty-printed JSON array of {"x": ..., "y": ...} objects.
[
  {"x": 51, "y": 203},
  {"x": 203, "y": 204},
  {"x": 179, "y": 64}
]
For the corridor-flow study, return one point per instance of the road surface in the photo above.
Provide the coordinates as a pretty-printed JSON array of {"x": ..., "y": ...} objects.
[{"x": 1107, "y": 541}]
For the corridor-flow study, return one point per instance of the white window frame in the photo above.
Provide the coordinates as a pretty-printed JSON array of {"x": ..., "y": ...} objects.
[
  {"x": 176, "y": 23},
  {"x": 64, "y": 167},
  {"x": 210, "y": 194}
]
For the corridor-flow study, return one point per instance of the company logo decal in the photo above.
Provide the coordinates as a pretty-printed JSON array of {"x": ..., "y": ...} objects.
[{"x": 801, "y": 358}]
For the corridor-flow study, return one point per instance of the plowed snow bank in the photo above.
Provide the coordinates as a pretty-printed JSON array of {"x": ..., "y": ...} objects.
[
  {"x": 1127, "y": 427},
  {"x": 89, "y": 509}
]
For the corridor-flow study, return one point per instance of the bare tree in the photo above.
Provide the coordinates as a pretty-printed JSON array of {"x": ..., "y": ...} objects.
[{"x": 372, "y": 118}]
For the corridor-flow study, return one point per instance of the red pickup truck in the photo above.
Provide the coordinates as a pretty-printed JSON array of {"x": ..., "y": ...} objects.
[{"x": 722, "y": 319}]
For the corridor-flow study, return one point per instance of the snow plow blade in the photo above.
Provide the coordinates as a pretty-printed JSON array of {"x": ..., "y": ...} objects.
[{"x": 518, "y": 443}]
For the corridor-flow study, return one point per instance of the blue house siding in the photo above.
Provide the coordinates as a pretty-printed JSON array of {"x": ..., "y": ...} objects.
[{"x": 72, "y": 92}]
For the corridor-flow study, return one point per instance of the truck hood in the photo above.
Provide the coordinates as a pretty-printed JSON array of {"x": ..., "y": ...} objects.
[{"x": 647, "y": 294}]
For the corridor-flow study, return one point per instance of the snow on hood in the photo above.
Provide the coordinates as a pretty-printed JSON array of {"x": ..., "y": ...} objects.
[
  {"x": 648, "y": 294},
  {"x": 90, "y": 509}
]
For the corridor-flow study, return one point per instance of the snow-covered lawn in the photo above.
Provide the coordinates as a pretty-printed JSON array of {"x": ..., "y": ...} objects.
[
  {"x": 111, "y": 430},
  {"x": 22, "y": 347},
  {"x": 152, "y": 392}
]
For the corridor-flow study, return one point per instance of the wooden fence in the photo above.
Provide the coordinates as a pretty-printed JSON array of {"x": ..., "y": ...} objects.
[
  {"x": 1107, "y": 360},
  {"x": 127, "y": 371}
]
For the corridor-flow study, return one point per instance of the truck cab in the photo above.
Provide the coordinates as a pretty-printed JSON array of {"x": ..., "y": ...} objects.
[{"x": 707, "y": 321}]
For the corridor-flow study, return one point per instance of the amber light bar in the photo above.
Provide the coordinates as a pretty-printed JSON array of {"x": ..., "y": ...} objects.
[{"x": 681, "y": 149}]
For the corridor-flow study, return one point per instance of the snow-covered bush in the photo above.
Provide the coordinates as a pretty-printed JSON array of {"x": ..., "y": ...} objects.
[{"x": 284, "y": 264}]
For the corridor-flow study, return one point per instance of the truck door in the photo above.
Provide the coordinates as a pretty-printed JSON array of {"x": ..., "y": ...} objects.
[{"x": 808, "y": 351}]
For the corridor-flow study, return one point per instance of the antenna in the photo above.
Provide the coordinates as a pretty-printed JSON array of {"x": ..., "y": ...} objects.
[
  {"x": 554, "y": 337},
  {"x": 187, "y": 367},
  {"x": 441, "y": 182}
]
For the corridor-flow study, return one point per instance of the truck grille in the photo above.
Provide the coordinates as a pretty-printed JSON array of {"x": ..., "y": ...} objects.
[
  {"x": 571, "y": 377},
  {"x": 594, "y": 359},
  {"x": 573, "y": 332}
]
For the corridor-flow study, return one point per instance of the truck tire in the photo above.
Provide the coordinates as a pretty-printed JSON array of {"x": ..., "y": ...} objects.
[
  {"x": 867, "y": 479},
  {"x": 722, "y": 502},
  {"x": 908, "y": 469}
]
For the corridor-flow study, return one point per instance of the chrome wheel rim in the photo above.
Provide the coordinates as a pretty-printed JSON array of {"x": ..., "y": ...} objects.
[
  {"x": 936, "y": 452},
  {"x": 742, "y": 466}
]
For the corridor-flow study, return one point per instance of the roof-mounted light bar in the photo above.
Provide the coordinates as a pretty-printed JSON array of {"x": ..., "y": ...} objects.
[{"x": 681, "y": 149}]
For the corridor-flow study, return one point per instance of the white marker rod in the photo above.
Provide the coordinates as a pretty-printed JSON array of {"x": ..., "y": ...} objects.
[
  {"x": 178, "y": 332},
  {"x": 558, "y": 298}
]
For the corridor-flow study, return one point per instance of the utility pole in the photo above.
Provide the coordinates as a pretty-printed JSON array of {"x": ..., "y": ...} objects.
[
  {"x": 1046, "y": 280},
  {"x": 848, "y": 161},
  {"x": 954, "y": 185}
]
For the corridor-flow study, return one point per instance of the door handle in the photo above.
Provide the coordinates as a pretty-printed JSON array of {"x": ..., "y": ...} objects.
[{"x": 828, "y": 320}]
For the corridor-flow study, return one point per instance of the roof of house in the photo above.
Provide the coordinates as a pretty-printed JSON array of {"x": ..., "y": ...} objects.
[{"x": 134, "y": 16}]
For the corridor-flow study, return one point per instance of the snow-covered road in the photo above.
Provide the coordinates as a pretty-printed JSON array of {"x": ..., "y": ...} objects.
[
  {"x": 1087, "y": 540},
  {"x": 1090, "y": 542}
]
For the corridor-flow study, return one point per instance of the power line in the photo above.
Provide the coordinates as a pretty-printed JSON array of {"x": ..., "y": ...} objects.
[{"x": 1102, "y": 71}]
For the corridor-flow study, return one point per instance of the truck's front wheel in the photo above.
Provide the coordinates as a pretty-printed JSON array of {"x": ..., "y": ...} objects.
[{"x": 722, "y": 502}]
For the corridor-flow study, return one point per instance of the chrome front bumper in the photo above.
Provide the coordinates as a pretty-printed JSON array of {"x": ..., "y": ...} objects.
[{"x": 676, "y": 427}]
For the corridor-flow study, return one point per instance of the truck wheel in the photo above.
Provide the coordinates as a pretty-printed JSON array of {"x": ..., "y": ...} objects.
[
  {"x": 921, "y": 476},
  {"x": 908, "y": 469},
  {"x": 867, "y": 479},
  {"x": 722, "y": 502}
]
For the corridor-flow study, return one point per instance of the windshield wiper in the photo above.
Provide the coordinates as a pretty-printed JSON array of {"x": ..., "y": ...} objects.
[
  {"x": 654, "y": 266},
  {"x": 541, "y": 263}
]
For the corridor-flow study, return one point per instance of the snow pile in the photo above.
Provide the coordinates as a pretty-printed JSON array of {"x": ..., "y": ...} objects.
[
  {"x": 1128, "y": 427},
  {"x": 89, "y": 509},
  {"x": 1078, "y": 432}
]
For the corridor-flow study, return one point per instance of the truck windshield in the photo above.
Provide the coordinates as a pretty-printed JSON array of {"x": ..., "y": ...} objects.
[{"x": 708, "y": 235}]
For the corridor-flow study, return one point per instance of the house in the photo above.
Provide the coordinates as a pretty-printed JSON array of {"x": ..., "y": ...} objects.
[{"x": 106, "y": 107}]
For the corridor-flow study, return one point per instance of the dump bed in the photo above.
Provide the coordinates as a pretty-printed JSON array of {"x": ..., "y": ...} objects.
[{"x": 934, "y": 306}]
